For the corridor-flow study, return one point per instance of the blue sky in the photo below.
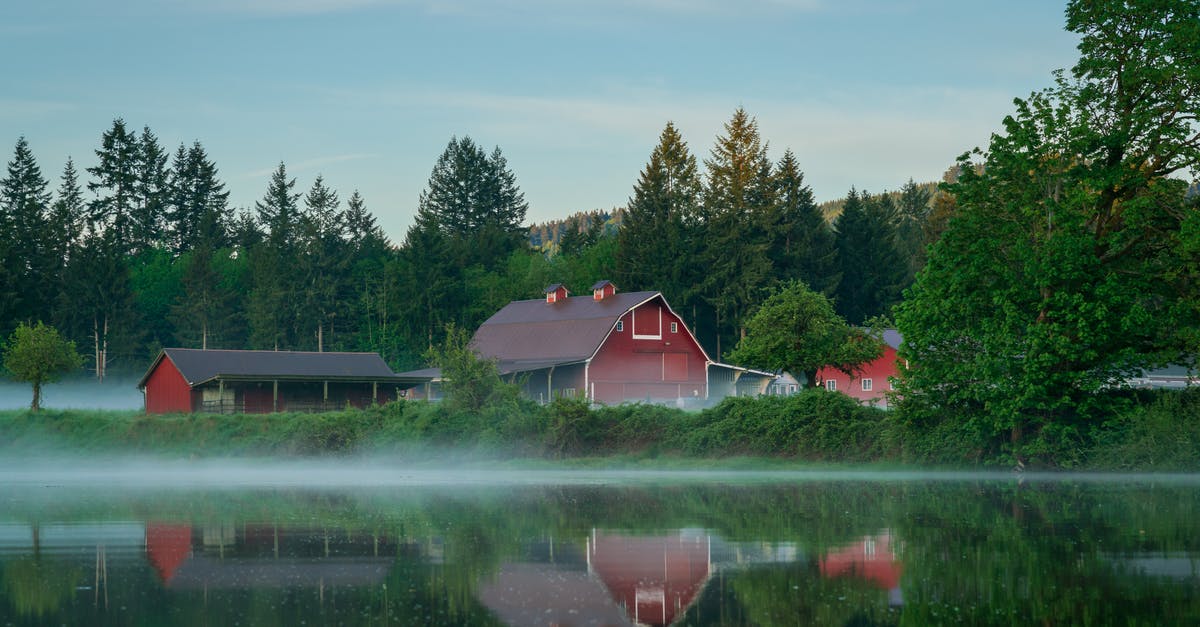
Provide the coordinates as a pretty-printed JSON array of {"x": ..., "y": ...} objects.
[{"x": 368, "y": 92}]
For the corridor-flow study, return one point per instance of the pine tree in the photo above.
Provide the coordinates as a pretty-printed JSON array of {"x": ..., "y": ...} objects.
[
  {"x": 473, "y": 198},
  {"x": 872, "y": 271},
  {"x": 363, "y": 232},
  {"x": 324, "y": 263},
  {"x": 29, "y": 262},
  {"x": 912, "y": 212},
  {"x": 205, "y": 314},
  {"x": 738, "y": 193},
  {"x": 147, "y": 219},
  {"x": 273, "y": 311},
  {"x": 115, "y": 183},
  {"x": 656, "y": 245},
  {"x": 198, "y": 210},
  {"x": 67, "y": 222},
  {"x": 800, "y": 242}
]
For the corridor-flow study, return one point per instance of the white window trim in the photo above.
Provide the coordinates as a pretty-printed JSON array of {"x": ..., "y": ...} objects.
[
  {"x": 831, "y": 385},
  {"x": 868, "y": 385},
  {"x": 620, "y": 326},
  {"x": 674, "y": 327}
]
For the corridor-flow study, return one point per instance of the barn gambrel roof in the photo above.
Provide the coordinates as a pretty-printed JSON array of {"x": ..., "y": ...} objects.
[{"x": 533, "y": 334}]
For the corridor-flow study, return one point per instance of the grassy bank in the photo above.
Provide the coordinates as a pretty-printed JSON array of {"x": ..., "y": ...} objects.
[{"x": 1160, "y": 433}]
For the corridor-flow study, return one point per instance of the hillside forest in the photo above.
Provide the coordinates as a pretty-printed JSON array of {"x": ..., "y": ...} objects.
[{"x": 140, "y": 249}]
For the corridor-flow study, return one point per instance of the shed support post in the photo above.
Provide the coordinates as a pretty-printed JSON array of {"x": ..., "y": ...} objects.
[
  {"x": 275, "y": 396},
  {"x": 325, "y": 392},
  {"x": 550, "y": 385},
  {"x": 221, "y": 395},
  {"x": 374, "y": 392}
]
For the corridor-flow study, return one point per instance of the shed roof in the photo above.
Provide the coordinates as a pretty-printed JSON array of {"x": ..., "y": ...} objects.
[
  {"x": 199, "y": 366},
  {"x": 570, "y": 330}
]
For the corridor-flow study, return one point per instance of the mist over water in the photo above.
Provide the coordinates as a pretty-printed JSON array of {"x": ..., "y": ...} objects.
[{"x": 117, "y": 394}]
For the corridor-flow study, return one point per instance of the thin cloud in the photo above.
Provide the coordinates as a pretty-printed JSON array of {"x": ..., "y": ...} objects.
[{"x": 307, "y": 165}]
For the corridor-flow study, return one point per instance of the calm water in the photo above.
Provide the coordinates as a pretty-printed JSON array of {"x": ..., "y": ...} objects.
[{"x": 232, "y": 546}]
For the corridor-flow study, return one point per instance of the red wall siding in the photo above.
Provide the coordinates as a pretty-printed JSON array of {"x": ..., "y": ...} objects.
[
  {"x": 877, "y": 371},
  {"x": 167, "y": 391},
  {"x": 625, "y": 369}
]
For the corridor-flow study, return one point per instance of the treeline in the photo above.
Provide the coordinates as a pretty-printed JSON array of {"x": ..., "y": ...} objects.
[{"x": 143, "y": 250}]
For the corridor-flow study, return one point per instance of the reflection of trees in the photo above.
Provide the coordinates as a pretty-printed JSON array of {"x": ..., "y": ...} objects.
[{"x": 39, "y": 587}]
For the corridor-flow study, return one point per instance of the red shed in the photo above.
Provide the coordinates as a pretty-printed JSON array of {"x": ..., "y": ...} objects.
[
  {"x": 874, "y": 381},
  {"x": 232, "y": 381}
]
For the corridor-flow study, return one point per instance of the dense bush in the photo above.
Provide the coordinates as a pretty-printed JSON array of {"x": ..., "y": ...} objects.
[{"x": 1160, "y": 432}]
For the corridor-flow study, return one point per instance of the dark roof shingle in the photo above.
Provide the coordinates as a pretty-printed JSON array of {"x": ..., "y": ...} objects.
[{"x": 198, "y": 366}]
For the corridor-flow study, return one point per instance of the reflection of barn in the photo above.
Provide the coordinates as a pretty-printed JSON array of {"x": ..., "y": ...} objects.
[
  {"x": 607, "y": 347},
  {"x": 228, "y": 381},
  {"x": 655, "y": 578},
  {"x": 873, "y": 558},
  {"x": 265, "y": 556}
]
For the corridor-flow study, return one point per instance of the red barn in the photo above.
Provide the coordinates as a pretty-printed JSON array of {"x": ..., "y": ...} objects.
[
  {"x": 874, "y": 381},
  {"x": 232, "y": 381},
  {"x": 606, "y": 347}
]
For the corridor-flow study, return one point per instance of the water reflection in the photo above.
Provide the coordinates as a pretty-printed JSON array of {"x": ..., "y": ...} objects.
[{"x": 824, "y": 554}]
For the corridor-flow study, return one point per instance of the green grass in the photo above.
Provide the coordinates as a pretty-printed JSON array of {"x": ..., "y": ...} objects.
[{"x": 811, "y": 430}]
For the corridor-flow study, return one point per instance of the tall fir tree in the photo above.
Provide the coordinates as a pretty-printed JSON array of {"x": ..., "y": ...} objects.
[
  {"x": 323, "y": 265},
  {"x": 24, "y": 215},
  {"x": 739, "y": 191},
  {"x": 115, "y": 182},
  {"x": 912, "y": 214},
  {"x": 147, "y": 219},
  {"x": 68, "y": 218},
  {"x": 872, "y": 270},
  {"x": 800, "y": 242},
  {"x": 205, "y": 315},
  {"x": 198, "y": 204},
  {"x": 273, "y": 311},
  {"x": 656, "y": 245}
]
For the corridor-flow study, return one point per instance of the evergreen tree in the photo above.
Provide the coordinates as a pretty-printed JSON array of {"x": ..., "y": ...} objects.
[
  {"x": 273, "y": 311},
  {"x": 324, "y": 264},
  {"x": 115, "y": 183},
  {"x": 473, "y": 198},
  {"x": 800, "y": 242},
  {"x": 68, "y": 217},
  {"x": 912, "y": 212},
  {"x": 99, "y": 305},
  {"x": 24, "y": 211},
  {"x": 147, "y": 219},
  {"x": 656, "y": 245},
  {"x": 205, "y": 314},
  {"x": 367, "y": 239},
  {"x": 198, "y": 209},
  {"x": 738, "y": 194},
  {"x": 871, "y": 268}
]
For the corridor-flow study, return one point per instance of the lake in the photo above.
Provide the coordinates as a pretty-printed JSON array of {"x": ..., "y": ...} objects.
[{"x": 347, "y": 543}]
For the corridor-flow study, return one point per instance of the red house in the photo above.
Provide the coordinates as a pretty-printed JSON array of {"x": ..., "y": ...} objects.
[
  {"x": 874, "y": 381},
  {"x": 606, "y": 347},
  {"x": 232, "y": 381}
]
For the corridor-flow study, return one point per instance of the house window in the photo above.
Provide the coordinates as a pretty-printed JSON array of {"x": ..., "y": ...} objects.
[
  {"x": 674, "y": 327},
  {"x": 867, "y": 385},
  {"x": 568, "y": 393},
  {"x": 831, "y": 385},
  {"x": 620, "y": 326}
]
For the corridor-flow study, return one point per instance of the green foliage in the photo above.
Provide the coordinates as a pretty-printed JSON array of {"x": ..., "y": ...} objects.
[
  {"x": 872, "y": 270},
  {"x": 38, "y": 354},
  {"x": 1059, "y": 274},
  {"x": 796, "y": 330},
  {"x": 472, "y": 384}
]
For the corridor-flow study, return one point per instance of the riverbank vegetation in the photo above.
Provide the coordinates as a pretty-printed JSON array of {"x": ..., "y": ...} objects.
[{"x": 1159, "y": 432}]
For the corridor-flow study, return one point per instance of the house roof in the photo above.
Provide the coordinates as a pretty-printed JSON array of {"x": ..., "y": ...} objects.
[
  {"x": 892, "y": 338},
  {"x": 527, "y": 332},
  {"x": 200, "y": 366}
]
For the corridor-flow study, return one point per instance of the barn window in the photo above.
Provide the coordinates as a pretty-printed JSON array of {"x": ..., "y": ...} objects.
[
  {"x": 831, "y": 385},
  {"x": 867, "y": 385},
  {"x": 620, "y": 326},
  {"x": 674, "y": 327},
  {"x": 568, "y": 393}
]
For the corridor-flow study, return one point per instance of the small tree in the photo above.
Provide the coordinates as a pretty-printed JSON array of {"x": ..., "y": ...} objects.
[
  {"x": 472, "y": 383},
  {"x": 797, "y": 330},
  {"x": 38, "y": 354}
]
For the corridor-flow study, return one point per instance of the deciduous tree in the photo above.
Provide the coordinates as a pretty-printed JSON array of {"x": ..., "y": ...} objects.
[{"x": 37, "y": 355}]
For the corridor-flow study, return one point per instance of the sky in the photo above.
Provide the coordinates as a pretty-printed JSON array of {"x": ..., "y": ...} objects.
[{"x": 367, "y": 93}]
